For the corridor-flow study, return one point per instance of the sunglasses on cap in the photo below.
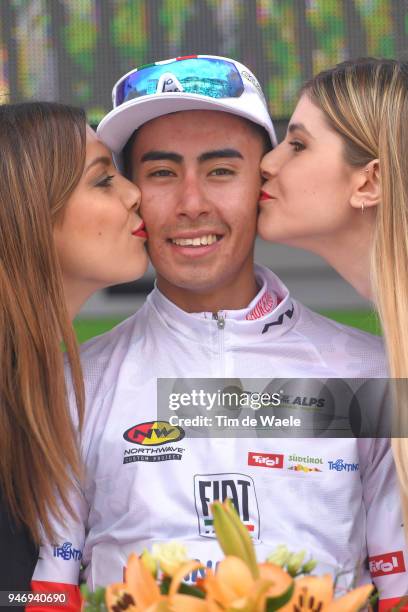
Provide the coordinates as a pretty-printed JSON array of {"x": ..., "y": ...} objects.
[{"x": 205, "y": 76}]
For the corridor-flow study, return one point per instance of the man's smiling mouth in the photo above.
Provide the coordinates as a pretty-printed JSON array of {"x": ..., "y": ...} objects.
[{"x": 206, "y": 239}]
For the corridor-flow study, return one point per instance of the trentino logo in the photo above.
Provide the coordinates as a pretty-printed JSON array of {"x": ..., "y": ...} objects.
[
  {"x": 239, "y": 488},
  {"x": 342, "y": 466},
  {"x": 67, "y": 552}
]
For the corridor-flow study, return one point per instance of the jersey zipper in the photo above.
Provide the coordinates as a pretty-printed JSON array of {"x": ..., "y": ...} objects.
[
  {"x": 219, "y": 317},
  {"x": 220, "y": 320}
]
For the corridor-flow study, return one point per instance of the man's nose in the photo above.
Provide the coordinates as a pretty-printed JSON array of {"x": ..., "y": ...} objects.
[{"x": 193, "y": 201}]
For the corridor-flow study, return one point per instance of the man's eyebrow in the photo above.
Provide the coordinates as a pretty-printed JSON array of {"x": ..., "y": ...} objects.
[
  {"x": 292, "y": 127},
  {"x": 162, "y": 155},
  {"x": 102, "y": 159},
  {"x": 220, "y": 153}
]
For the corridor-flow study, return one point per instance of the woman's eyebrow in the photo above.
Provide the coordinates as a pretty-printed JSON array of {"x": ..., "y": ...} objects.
[
  {"x": 292, "y": 127},
  {"x": 102, "y": 159}
]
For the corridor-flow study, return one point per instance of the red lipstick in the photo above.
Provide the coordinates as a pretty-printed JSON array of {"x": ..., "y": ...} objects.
[
  {"x": 140, "y": 231},
  {"x": 265, "y": 196}
]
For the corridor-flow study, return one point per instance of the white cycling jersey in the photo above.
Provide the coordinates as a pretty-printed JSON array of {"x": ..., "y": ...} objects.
[{"x": 336, "y": 498}]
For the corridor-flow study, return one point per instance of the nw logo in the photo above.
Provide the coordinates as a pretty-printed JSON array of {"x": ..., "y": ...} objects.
[
  {"x": 159, "y": 433},
  {"x": 153, "y": 433}
]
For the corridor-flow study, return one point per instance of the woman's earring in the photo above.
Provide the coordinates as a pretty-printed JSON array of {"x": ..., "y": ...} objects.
[{"x": 362, "y": 207}]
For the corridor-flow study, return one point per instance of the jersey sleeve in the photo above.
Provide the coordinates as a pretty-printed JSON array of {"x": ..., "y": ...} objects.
[
  {"x": 387, "y": 551},
  {"x": 59, "y": 563}
]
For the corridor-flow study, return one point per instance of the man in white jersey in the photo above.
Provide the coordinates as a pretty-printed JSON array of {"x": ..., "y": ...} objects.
[{"x": 194, "y": 131}]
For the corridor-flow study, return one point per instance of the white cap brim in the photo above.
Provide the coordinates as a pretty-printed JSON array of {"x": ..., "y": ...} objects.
[{"x": 118, "y": 125}]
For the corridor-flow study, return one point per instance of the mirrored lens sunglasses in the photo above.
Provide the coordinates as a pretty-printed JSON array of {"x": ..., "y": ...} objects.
[{"x": 211, "y": 77}]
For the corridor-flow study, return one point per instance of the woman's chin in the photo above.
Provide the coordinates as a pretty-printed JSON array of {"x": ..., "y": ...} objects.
[
  {"x": 269, "y": 233},
  {"x": 268, "y": 227},
  {"x": 131, "y": 273},
  {"x": 140, "y": 266}
]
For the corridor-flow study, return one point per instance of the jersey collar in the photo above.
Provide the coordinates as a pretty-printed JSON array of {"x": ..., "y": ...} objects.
[{"x": 239, "y": 324}]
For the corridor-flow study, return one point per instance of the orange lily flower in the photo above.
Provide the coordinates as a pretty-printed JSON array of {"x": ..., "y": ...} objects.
[
  {"x": 314, "y": 593},
  {"x": 140, "y": 592},
  {"x": 233, "y": 586},
  {"x": 239, "y": 584}
]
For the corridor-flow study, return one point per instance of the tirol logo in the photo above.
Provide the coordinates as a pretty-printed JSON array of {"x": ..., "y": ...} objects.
[
  {"x": 153, "y": 433},
  {"x": 237, "y": 487},
  {"x": 269, "y": 460},
  {"x": 386, "y": 564}
]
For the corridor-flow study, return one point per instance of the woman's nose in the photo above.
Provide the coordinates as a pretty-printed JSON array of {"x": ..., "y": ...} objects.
[{"x": 270, "y": 164}]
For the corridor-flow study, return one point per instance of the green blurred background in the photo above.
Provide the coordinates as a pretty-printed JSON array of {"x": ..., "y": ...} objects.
[{"x": 74, "y": 51}]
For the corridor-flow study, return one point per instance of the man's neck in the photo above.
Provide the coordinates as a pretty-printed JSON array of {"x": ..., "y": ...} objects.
[{"x": 230, "y": 296}]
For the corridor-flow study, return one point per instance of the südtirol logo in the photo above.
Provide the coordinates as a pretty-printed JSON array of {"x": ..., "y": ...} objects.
[
  {"x": 305, "y": 463},
  {"x": 155, "y": 442},
  {"x": 299, "y": 467},
  {"x": 386, "y": 564},
  {"x": 306, "y": 459},
  {"x": 237, "y": 487},
  {"x": 153, "y": 433}
]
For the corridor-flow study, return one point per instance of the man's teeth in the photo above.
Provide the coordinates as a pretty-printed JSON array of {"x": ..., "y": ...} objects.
[{"x": 202, "y": 240}]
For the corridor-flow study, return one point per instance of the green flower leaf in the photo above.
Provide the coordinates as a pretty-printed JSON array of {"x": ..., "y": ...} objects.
[{"x": 275, "y": 603}]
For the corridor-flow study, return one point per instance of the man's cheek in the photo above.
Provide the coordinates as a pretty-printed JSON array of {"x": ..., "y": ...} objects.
[
  {"x": 148, "y": 218},
  {"x": 249, "y": 216}
]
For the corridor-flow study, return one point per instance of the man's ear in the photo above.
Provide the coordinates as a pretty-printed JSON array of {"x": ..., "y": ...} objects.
[{"x": 367, "y": 191}]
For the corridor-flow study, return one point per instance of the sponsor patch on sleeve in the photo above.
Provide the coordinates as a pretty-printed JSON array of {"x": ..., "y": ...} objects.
[{"x": 387, "y": 564}]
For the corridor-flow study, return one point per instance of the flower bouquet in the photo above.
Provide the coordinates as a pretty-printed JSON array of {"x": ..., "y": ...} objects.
[{"x": 239, "y": 584}]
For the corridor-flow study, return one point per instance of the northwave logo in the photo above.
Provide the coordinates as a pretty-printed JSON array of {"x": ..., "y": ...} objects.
[{"x": 153, "y": 433}]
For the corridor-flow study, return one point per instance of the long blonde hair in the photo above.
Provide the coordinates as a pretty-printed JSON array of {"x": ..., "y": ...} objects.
[
  {"x": 42, "y": 158},
  {"x": 366, "y": 102}
]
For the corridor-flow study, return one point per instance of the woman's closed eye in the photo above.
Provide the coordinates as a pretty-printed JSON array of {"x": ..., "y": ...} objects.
[
  {"x": 106, "y": 181},
  {"x": 297, "y": 145}
]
